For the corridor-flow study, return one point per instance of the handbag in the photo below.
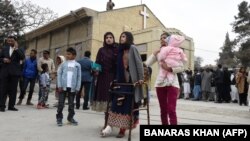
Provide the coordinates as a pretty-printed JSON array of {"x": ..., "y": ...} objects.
[{"x": 96, "y": 67}]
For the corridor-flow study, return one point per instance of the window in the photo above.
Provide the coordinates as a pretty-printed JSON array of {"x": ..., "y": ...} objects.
[
  {"x": 144, "y": 57},
  {"x": 142, "y": 48}
]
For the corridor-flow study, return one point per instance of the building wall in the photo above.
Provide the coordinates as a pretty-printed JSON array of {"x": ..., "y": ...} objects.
[
  {"x": 74, "y": 35},
  {"x": 124, "y": 19}
]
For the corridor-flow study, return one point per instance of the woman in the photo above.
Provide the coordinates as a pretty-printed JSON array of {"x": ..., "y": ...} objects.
[
  {"x": 129, "y": 70},
  {"x": 166, "y": 92},
  {"x": 248, "y": 80},
  {"x": 106, "y": 57},
  {"x": 241, "y": 84}
]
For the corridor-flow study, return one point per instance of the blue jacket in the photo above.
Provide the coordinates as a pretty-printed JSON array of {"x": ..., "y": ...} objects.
[
  {"x": 86, "y": 63},
  {"x": 62, "y": 77},
  {"x": 30, "y": 68}
]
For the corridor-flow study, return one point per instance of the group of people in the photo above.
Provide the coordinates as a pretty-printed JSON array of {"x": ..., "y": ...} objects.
[
  {"x": 120, "y": 63},
  {"x": 219, "y": 85}
]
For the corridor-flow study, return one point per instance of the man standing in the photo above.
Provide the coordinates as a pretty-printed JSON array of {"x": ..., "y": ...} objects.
[
  {"x": 86, "y": 70},
  {"x": 29, "y": 76},
  {"x": 110, "y": 5},
  {"x": 219, "y": 75},
  {"x": 46, "y": 60},
  {"x": 10, "y": 58}
]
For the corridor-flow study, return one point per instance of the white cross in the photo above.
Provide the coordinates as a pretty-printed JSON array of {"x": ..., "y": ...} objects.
[{"x": 145, "y": 16}]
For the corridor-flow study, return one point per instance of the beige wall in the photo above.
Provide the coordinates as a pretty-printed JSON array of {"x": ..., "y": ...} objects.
[
  {"x": 43, "y": 42},
  {"x": 70, "y": 35},
  {"x": 122, "y": 19}
]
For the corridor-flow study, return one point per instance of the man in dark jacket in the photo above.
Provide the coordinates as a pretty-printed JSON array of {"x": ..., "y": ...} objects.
[
  {"x": 10, "y": 58},
  {"x": 86, "y": 68},
  {"x": 30, "y": 73},
  {"x": 219, "y": 82}
]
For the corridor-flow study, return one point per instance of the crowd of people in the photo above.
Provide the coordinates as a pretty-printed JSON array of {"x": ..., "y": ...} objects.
[
  {"x": 115, "y": 63},
  {"x": 216, "y": 84}
]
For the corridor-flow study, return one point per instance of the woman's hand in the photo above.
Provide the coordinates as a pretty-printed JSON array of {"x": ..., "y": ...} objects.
[{"x": 156, "y": 52}]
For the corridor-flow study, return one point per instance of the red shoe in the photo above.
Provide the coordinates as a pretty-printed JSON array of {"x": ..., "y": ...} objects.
[
  {"x": 121, "y": 133},
  {"x": 39, "y": 106},
  {"x": 136, "y": 122}
]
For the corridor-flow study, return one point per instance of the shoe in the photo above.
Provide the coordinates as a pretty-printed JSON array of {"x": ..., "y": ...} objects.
[
  {"x": 59, "y": 122},
  {"x": 39, "y": 106},
  {"x": 73, "y": 122},
  {"x": 121, "y": 133},
  {"x": 29, "y": 103},
  {"x": 85, "y": 108},
  {"x": 19, "y": 102},
  {"x": 77, "y": 107},
  {"x": 55, "y": 105},
  {"x": 2, "y": 109},
  {"x": 136, "y": 122},
  {"x": 13, "y": 109},
  {"x": 235, "y": 101},
  {"x": 46, "y": 106},
  {"x": 195, "y": 99}
]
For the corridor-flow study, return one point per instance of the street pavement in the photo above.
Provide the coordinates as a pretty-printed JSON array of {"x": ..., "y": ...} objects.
[{"x": 31, "y": 124}]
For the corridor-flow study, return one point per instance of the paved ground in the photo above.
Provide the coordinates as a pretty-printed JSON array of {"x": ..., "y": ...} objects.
[{"x": 30, "y": 124}]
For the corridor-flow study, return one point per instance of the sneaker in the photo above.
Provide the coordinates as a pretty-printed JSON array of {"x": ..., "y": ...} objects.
[
  {"x": 29, "y": 103},
  {"x": 59, "y": 122},
  {"x": 73, "y": 122},
  {"x": 55, "y": 105},
  {"x": 19, "y": 102},
  {"x": 85, "y": 108}
]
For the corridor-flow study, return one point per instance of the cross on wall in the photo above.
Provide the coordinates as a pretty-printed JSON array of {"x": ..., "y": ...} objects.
[{"x": 145, "y": 16}]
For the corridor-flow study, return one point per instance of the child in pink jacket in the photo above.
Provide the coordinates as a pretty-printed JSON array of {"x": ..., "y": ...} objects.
[{"x": 172, "y": 55}]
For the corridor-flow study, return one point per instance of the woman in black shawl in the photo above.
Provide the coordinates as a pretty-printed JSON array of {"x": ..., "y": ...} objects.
[
  {"x": 129, "y": 70},
  {"x": 106, "y": 57}
]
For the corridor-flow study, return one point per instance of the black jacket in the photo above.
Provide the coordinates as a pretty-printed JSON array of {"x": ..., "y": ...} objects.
[{"x": 13, "y": 68}]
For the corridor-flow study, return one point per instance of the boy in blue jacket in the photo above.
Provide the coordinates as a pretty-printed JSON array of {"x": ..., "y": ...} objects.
[{"x": 69, "y": 82}]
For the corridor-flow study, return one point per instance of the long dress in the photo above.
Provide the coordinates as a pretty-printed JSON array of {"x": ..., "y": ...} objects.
[
  {"x": 119, "y": 115},
  {"x": 106, "y": 57}
]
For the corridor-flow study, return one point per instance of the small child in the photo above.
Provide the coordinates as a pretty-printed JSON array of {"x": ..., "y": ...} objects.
[
  {"x": 59, "y": 60},
  {"x": 44, "y": 86},
  {"x": 172, "y": 55},
  {"x": 69, "y": 83}
]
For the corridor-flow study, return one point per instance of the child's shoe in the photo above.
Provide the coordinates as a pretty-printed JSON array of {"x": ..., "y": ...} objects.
[
  {"x": 73, "y": 122},
  {"x": 59, "y": 122},
  {"x": 121, "y": 133},
  {"x": 39, "y": 106}
]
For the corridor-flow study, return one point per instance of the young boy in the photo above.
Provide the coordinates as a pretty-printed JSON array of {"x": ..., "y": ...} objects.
[
  {"x": 44, "y": 86},
  {"x": 68, "y": 82}
]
